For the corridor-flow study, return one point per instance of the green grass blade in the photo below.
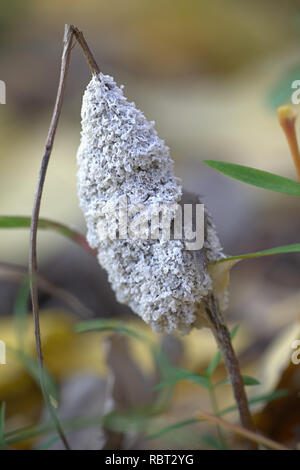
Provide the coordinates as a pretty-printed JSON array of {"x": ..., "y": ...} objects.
[
  {"x": 102, "y": 324},
  {"x": 263, "y": 398},
  {"x": 33, "y": 369},
  {"x": 31, "y": 432},
  {"x": 279, "y": 250},
  {"x": 248, "y": 381},
  {"x": 176, "y": 375},
  {"x": 24, "y": 222},
  {"x": 254, "y": 177},
  {"x": 14, "y": 222},
  {"x": 171, "y": 428},
  {"x": 213, "y": 364},
  {"x": 3, "y": 443},
  {"x": 212, "y": 442},
  {"x": 49, "y": 443}
]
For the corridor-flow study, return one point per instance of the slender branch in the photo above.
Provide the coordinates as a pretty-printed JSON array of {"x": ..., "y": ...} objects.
[
  {"x": 250, "y": 435},
  {"x": 15, "y": 273},
  {"x": 86, "y": 50},
  {"x": 222, "y": 336},
  {"x": 70, "y": 31},
  {"x": 33, "y": 268}
]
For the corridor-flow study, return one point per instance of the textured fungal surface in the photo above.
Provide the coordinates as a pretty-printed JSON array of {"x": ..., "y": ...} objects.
[{"x": 121, "y": 155}]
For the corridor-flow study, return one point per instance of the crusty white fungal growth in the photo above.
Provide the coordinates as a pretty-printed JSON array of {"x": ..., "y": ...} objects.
[{"x": 120, "y": 154}]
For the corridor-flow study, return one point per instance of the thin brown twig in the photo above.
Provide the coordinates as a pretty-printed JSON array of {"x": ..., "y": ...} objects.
[
  {"x": 223, "y": 339},
  {"x": 33, "y": 268},
  {"x": 250, "y": 435},
  {"x": 86, "y": 50},
  {"x": 17, "y": 274},
  {"x": 70, "y": 31}
]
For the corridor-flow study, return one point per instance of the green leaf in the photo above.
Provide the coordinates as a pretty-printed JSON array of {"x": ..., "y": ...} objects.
[
  {"x": 213, "y": 364},
  {"x": 24, "y": 222},
  {"x": 176, "y": 375},
  {"x": 49, "y": 443},
  {"x": 249, "y": 381},
  {"x": 217, "y": 357},
  {"x": 33, "y": 369},
  {"x": 171, "y": 428},
  {"x": 279, "y": 250},
  {"x": 263, "y": 398},
  {"x": 102, "y": 324},
  {"x": 212, "y": 442},
  {"x": 30, "y": 432},
  {"x": 254, "y": 177},
  {"x": 234, "y": 332},
  {"x": 130, "y": 419},
  {"x": 2, "y": 426}
]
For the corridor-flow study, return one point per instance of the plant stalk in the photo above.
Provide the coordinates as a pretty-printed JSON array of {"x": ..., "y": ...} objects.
[
  {"x": 70, "y": 32},
  {"x": 223, "y": 339}
]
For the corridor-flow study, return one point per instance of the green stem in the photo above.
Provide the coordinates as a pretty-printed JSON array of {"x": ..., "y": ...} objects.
[{"x": 216, "y": 410}]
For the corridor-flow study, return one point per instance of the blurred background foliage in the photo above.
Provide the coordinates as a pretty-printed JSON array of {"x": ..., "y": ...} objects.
[{"x": 211, "y": 75}]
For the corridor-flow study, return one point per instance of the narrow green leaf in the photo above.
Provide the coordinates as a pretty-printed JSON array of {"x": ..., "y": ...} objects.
[
  {"x": 213, "y": 364},
  {"x": 217, "y": 357},
  {"x": 2, "y": 426},
  {"x": 279, "y": 250},
  {"x": 102, "y": 324},
  {"x": 130, "y": 419},
  {"x": 171, "y": 428},
  {"x": 176, "y": 375},
  {"x": 249, "y": 381},
  {"x": 212, "y": 442},
  {"x": 30, "y": 432},
  {"x": 254, "y": 177},
  {"x": 49, "y": 443},
  {"x": 24, "y": 222},
  {"x": 263, "y": 398},
  {"x": 33, "y": 369}
]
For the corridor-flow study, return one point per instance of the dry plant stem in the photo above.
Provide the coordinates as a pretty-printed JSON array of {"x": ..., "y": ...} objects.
[
  {"x": 70, "y": 31},
  {"x": 17, "y": 274},
  {"x": 223, "y": 339},
  {"x": 253, "y": 436},
  {"x": 287, "y": 119},
  {"x": 86, "y": 51},
  {"x": 33, "y": 269}
]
